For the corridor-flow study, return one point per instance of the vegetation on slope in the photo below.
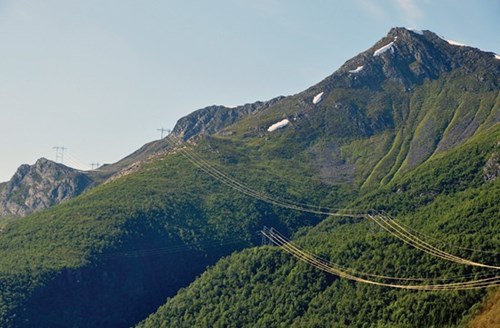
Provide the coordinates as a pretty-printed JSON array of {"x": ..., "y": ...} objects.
[
  {"x": 446, "y": 198},
  {"x": 137, "y": 240},
  {"x": 489, "y": 313}
]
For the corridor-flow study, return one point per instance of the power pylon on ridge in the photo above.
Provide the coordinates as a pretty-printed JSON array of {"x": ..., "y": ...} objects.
[
  {"x": 59, "y": 153},
  {"x": 95, "y": 165},
  {"x": 162, "y": 130}
]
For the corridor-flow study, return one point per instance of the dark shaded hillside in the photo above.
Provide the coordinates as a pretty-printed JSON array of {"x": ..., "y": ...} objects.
[
  {"x": 411, "y": 142},
  {"x": 136, "y": 240}
]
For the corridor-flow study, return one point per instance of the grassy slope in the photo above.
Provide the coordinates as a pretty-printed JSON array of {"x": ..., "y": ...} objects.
[
  {"x": 445, "y": 198},
  {"x": 376, "y": 136},
  {"x": 488, "y": 315}
]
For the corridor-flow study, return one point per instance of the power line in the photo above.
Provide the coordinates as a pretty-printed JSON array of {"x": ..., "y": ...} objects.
[
  {"x": 383, "y": 220},
  {"x": 95, "y": 165},
  {"x": 290, "y": 247}
]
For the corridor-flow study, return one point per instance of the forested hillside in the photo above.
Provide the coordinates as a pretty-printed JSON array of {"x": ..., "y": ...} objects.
[
  {"x": 447, "y": 199},
  {"x": 412, "y": 133}
]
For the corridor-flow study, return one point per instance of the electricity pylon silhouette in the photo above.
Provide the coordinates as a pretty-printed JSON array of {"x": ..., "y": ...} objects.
[
  {"x": 59, "y": 154},
  {"x": 163, "y": 130}
]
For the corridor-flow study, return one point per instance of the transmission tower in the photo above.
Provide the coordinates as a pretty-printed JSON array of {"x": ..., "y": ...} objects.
[
  {"x": 95, "y": 165},
  {"x": 265, "y": 240},
  {"x": 59, "y": 153},
  {"x": 162, "y": 130}
]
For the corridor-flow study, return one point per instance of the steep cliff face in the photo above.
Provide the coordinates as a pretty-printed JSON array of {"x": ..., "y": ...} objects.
[{"x": 39, "y": 186}]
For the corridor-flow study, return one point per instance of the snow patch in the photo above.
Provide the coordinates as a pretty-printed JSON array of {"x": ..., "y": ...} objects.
[
  {"x": 279, "y": 125},
  {"x": 357, "y": 70},
  {"x": 414, "y": 30},
  {"x": 317, "y": 98},
  {"x": 497, "y": 56},
  {"x": 231, "y": 106},
  {"x": 455, "y": 43},
  {"x": 383, "y": 49}
]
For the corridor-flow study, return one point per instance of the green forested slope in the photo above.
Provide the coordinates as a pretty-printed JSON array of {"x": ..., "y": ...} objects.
[
  {"x": 447, "y": 198},
  {"x": 133, "y": 241}
]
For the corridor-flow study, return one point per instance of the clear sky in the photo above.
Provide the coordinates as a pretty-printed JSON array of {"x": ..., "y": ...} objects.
[{"x": 101, "y": 76}]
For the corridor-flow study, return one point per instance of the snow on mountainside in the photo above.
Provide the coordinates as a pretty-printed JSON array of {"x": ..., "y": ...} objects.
[
  {"x": 385, "y": 48},
  {"x": 415, "y": 56},
  {"x": 279, "y": 125},
  {"x": 317, "y": 98},
  {"x": 357, "y": 70}
]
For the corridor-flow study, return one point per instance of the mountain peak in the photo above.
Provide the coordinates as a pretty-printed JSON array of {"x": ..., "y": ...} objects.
[
  {"x": 410, "y": 57},
  {"x": 41, "y": 185},
  {"x": 405, "y": 32}
]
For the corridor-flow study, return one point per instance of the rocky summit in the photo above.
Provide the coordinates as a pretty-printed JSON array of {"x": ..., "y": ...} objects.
[{"x": 38, "y": 186}]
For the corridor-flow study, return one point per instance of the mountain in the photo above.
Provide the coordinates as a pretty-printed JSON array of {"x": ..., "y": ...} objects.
[
  {"x": 408, "y": 127},
  {"x": 39, "y": 186},
  {"x": 409, "y": 59},
  {"x": 428, "y": 159}
]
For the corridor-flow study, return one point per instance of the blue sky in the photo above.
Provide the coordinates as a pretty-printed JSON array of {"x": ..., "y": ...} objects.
[{"x": 101, "y": 76}]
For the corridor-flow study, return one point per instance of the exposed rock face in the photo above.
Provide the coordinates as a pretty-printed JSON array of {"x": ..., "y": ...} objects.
[
  {"x": 205, "y": 121},
  {"x": 412, "y": 59},
  {"x": 491, "y": 170},
  {"x": 212, "y": 119},
  {"x": 40, "y": 186}
]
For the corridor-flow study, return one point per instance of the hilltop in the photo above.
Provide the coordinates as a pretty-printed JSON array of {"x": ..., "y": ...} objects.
[{"x": 39, "y": 186}]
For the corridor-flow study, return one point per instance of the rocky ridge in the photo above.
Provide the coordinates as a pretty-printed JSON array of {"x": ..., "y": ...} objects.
[
  {"x": 45, "y": 184},
  {"x": 212, "y": 119}
]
